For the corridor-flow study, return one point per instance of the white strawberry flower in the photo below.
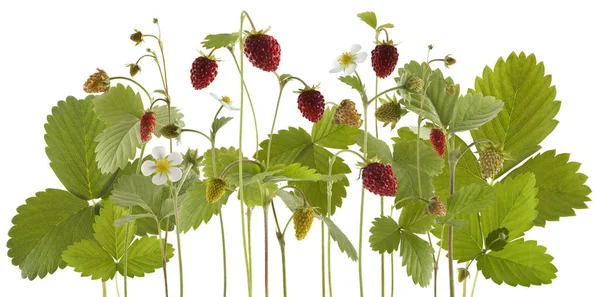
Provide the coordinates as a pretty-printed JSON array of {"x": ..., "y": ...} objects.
[
  {"x": 347, "y": 61},
  {"x": 163, "y": 167},
  {"x": 225, "y": 101}
]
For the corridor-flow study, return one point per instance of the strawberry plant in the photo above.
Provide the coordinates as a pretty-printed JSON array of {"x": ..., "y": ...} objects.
[{"x": 467, "y": 179}]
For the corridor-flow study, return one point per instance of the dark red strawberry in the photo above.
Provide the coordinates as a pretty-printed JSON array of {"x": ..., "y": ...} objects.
[
  {"x": 312, "y": 104},
  {"x": 263, "y": 51},
  {"x": 438, "y": 141},
  {"x": 384, "y": 59},
  {"x": 147, "y": 125},
  {"x": 204, "y": 71},
  {"x": 379, "y": 179}
]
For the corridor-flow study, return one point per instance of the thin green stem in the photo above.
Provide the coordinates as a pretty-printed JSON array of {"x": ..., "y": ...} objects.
[
  {"x": 464, "y": 288},
  {"x": 329, "y": 195},
  {"x": 117, "y": 285},
  {"x": 323, "y": 258},
  {"x": 266, "y": 230},
  {"x": 224, "y": 254},
  {"x": 197, "y": 132},
  {"x": 281, "y": 241},
  {"x": 164, "y": 257},
  {"x": 273, "y": 125},
  {"x": 392, "y": 273},
  {"x": 361, "y": 157},
  {"x": 135, "y": 82},
  {"x": 240, "y": 167},
  {"x": 249, "y": 215},
  {"x": 104, "y": 289},
  {"x": 380, "y": 197},
  {"x": 384, "y": 92},
  {"x": 474, "y": 283},
  {"x": 245, "y": 88},
  {"x": 362, "y": 203},
  {"x": 177, "y": 235},
  {"x": 450, "y": 233},
  {"x": 240, "y": 154},
  {"x": 245, "y": 14},
  {"x": 437, "y": 261}
]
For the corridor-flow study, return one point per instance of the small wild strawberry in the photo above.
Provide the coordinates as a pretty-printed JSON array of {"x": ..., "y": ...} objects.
[
  {"x": 215, "y": 189},
  {"x": 414, "y": 84},
  {"x": 491, "y": 162},
  {"x": 97, "y": 82},
  {"x": 203, "y": 72},
  {"x": 170, "y": 131},
  {"x": 263, "y": 51},
  {"x": 438, "y": 141},
  {"x": 463, "y": 273},
  {"x": 384, "y": 58},
  {"x": 147, "y": 125},
  {"x": 346, "y": 114},
  {"x": 389, "y": 112},
  {"x": 436, "y": 207},
  {"x": 311, "y": 104},
  {"x": 380, "y": 179},
  {"x": 303, "y": 218}
]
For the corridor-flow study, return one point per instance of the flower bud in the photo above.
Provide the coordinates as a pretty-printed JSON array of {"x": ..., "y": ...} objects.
[
  {"x": 191, "y": 158},
  {"x": 134, "y": 69},
  {"x": 451, "y": 89},
  {"x": 449, "y": 61},
  {"x": 463, "y": 273},
  {"x": 137, "y": 37}
]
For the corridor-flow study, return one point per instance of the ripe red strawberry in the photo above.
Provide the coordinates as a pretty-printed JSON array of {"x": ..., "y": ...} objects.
[
  {"x": 384, "y": 59},
  {"x": 263, "y": 51},
  {"x": 203, "y": 72},
  {"x": 147, "y": 125},
  {"x": 379, "y": 179},
  {"x": 438, "y": 141},
  {"x": 312, "y": 104}
]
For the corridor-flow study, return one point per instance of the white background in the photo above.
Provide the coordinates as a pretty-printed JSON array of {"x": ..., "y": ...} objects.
[{"x": 49, "y": 48}]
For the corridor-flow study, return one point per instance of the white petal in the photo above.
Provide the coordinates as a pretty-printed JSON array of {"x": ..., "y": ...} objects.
[
  {"x": 350, "y": 69},
  {"x": 159, "y": 152},
  {"x": 174, "y": 174},
  {"x": 337, "y": 61},
  {"x": 175, "y": 158},
  {"x": 159, "y": 179},
  {"x": 338, "y": 68},
  {"x": 216, "y": 96},
  {"x": 148, "y": 167},
  {"x": 355, "y": 48},
  {"x": 360, "y": 57},
  {"x": 233, "y": 108},
  {"x": 225, "y": 104}
]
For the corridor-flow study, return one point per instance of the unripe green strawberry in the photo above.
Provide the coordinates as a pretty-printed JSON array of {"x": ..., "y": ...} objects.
[
  {"x": 463, "y": 273},
  {"x": 215, "y": 189},
  {"x": 491, "y": 162},
  {"x": 451, "y": 89},
  {"x": 388, "y": 113},
  {"x": 414, "y": 84},
  {"x": 346, "y": 114},
  {"x": 170, "y": 131},
  {"x": 303, "y": 218},
  {"x": 436, "y": 207}
]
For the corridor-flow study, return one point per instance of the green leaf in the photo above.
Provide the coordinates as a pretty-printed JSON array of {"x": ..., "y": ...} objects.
[
  {"x": 472, "y": 111},
  {"x": 89, "y": 258},
  {"x": 111, "y": 238},
  {"x": 223, "y": 158},
  {"x": 375, "y": 147},
  {"x": 294, "y": 172},
  {"x": 413, "y": 218},
  {"x": 417, "y": 257},
  {"x": 216, "y": 41},
  {"x": 144, "y": 256},
  {"x": 385, "y": 26},
  {"x": 353, "y": 82},
  {"x": 195, "y": 209},
  {"x": 218, "y": 123},
  {"x": 136, "y": 190},
  {"x": 70, "y": 133},
  {"x": 471, "y": 199},
  {"x": 561, "y": 187},
  {"x": 467, "y": 239},
  {"x": 338, "y": 236},
  {"x": 520, "y": 263},
  {"x": 295, "y": 146},
  {"x": 497, "y": 239},
  {"x": 255, "y": 193},
  {"x": 529, "y": 106},
  {"x": 514, "y": 207},
  {"x": 162, "y": 118},
  {"x": 369, "y": 18},
  {"x": 385, "y": 235},
  {"x": 44, "y": 227},
  {"x": 327, "y": 134},
  {"x": 405, "y": 168},
  {"x": 290, "y": 199},
  {"x": 119, "y": 104}
]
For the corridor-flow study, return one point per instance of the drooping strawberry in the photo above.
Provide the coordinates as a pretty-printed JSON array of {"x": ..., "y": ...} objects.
[
  {"x": 491, "y": 162},
  {"x": 438, "y": 141},
  {"x": 311, "y": 104},
  {"x": 147, "y": 125},
  {"x": 346, "y": 114},
  {"x": 380, "y": 179},
  {"x": 436, "y": 207},
  {"x": 97, "y": 82},
  {"x": 384, "y": 58},
  {"x": 203, "y": 72},
  {"x": 263, "y": 51},
  {"x": 215, "y": 189},
  {"x": 303, "y": 218}
]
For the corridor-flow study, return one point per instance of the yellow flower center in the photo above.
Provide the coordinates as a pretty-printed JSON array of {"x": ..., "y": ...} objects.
[
  {"x": 345, "y": 59},
  {"x": 226, "y": 99},
  {"x": 162, "y": 166}
]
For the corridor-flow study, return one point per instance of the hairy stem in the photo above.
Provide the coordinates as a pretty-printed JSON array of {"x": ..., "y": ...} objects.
[
  {"x": 266, "y": 227},
  {"x": 224, "y": 254},
  {"x": 322, "y": 258},
  {"x": 164, "y": 257}
]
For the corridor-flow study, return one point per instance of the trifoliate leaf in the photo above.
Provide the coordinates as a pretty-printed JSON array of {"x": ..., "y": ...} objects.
[
  {"x": 70, "y": 133},
  {"x": 497, "y": 239},
  {"x": 145, "y": 256},
  {"x": 119, "y": 104},
  {"x": 369, "y": 18},
  {"x": 520, "y": 263},
  {"x": 295, "y": 146},
  {"x": 329, "y": 135},
  {"x": 338, "y": 236},
  {"x": 405, "y": 168},
  {"x": 417, "y": 256},
  {"x": 529, "y": 106},
  {"x": 353, "y": 82},
  {"x": 44, "y": 227},
  {"x": 110, "y": 237},
  {"x": 413, "y": 218},
  {"x": 472, "y": 111},
  {"x": 136, "y": 190},
  {"x": 195, "y": 209},
  {"x": 216, "y": 41},
  {"x": 375, "y": 147},
  {"x": 471, "y": 199},
  {"x": 515, "y": 206},
  {"x": 162, "y": 118},
  {"x": 385, "y": 235},
  {"x": 89, "y": 258},
  {"x": 561, "y": 187}
]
